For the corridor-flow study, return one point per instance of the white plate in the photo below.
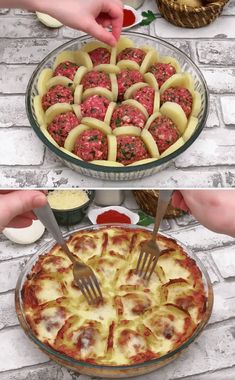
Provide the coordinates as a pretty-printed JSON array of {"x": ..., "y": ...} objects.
[
  {"x": 94, "y": 212},
  {"x": 138, "y": 17},
  {"x": 26, "y": 235}
]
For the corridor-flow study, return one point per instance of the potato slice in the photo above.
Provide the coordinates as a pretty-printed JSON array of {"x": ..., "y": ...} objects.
[
  {"x": 175, "y": 112},
  {"x": 112, "y": 148},
  {"x": 190, "y": 82},
  {"x": 132, "y": 90},
  {"x": 70, "y": 153},
  {"x": 156, "y": 102},
  {"x": 173, "y": 147},
  {"x": 55, "y": 110},
  {"x": 81, "y": 71},
  {"x": 143, "y": 162},
  {"x": 44, "y": 130},
  {"x": 172, "y": 61},
  {"x": 151, "y": 81},
  {"x": 124, "y": 43},
  {"x": 67, "y": 55},
  {"x": 150, "y": 143},
  {"x": 191, "y": 128},
  {"x": 197, "y": 103},
  {"x": 78, "y": 94},
  {"x": 113, "y": 57},
  {"x": 177, "y": 80},
  {"x": 44, "y": 76},
  {"x": 127, "y": 64},
  {"x": 127, "y": 130},
  {"x": 77, "y": 110},
  {"x": 90, "y": 46},
  {"x": 151, "y": 119},
  {"x": 147, "y": 48},
  {"x": 134, "y": 103},
  {"x": 107, "y": 163},
  {"x": 97, "y": 124},
  {"x": 38, "y": 109},
  {"x": 59, "y": 79},
  {"x": 150, "y": 58},
  {"x": 107, "y": 68},
  {"x": 83, "y": 59},
  {"x": 73, "y": 135},
  {"x": 114, "y": 86},
  {"x": 109, "y": 113},
  {"x": 98, "y": 91}
]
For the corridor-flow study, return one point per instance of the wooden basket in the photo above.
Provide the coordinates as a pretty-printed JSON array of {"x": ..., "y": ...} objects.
[
  {"x": 189, "y": 17},
  {"x": 147, "y": 202}
]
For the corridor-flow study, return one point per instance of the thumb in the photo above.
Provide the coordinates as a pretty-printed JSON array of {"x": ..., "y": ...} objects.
[
  {"x": 99, "y": 32},
  {"x": 178, "y": 201},
  {"x": 17, "y": 203}
]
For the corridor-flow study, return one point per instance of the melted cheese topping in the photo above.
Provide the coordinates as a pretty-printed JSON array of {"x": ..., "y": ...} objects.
[{"x": 137, "y": 320}]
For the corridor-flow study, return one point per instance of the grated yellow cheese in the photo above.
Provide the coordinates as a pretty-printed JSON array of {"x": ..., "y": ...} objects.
[{"x": 67, "y": 199}]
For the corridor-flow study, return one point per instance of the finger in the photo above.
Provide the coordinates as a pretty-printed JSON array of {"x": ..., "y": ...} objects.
[
  {"x": 100, "y": 33},
  {"x": 20, "y": 222},
  {"x": 115, "y": 13},
  {"x": 29, "y": 215},
  {"x": 18, "y": 202},
  {"x": 179, "y": 202},
  {"x": 117, "y": 22},
  {"x": 176, "y": 198},
  {"x": 104, "y": 20}
]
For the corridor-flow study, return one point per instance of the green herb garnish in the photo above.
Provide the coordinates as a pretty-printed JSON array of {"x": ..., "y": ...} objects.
[{"x": 148, "y": 17}]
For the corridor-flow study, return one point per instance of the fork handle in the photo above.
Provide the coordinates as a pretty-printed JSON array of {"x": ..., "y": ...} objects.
[
  {"x": 163, "y": 201},
  {"x": 46, "y": 216}
]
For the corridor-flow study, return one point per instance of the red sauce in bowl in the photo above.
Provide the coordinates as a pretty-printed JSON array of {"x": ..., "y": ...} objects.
[
  {"x": 128, "y": 18},
  {"x": 112, "y": 216}
]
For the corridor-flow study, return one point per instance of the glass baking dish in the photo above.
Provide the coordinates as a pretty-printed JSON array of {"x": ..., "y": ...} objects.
[
  {"x": 104, "y": 370},
  {"x": 129, "y": 172}
]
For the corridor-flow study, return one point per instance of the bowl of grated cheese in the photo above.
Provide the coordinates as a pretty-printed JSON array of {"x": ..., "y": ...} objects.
[{"x": 70, "y": 206}]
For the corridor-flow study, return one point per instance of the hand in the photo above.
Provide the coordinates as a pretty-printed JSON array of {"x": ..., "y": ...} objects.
[
  {"x": 215, "y": 209},
  {"x": 16, "y": 206},
  {"x": 90, "y": 16}
]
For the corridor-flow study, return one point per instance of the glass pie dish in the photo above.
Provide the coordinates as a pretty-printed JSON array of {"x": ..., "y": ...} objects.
[
  {"x": 111, "y": 371},
  {"x": 136, "y": 171}
]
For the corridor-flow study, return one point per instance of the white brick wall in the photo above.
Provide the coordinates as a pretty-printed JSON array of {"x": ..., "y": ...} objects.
[
  {"x": 24, "y": 42},
  {"x": 210, "y": 357}
]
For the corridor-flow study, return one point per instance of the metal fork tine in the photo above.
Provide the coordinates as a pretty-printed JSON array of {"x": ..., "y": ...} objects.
[
  {"x": 145, "y": 257},
  {"x": 80, "y": 285},
  {"x": 139, "y": 260},
  {"x": 97, "y": 285},
  {"x": 150, "y": 260},
  {"x": 84, "y": 281},
  {"x": 154, "y": 262},
  {"x": 90, "y": 283}
]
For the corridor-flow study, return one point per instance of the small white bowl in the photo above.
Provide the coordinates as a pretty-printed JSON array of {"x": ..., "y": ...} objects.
[
  {"x": 138, "y": 17},
  {"x": 26, "y": 235},
  {"x": 94, "y": 212}
]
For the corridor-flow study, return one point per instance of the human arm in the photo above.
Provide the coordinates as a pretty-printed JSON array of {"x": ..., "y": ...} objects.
[
  {"x": 90, "y": 16},
  {"x": 16, "y": 207},
  {"x": 215, "y": 209}
]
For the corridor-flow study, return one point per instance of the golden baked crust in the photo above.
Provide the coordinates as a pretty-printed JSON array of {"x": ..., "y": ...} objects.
[{"x": 137, "y": 321}]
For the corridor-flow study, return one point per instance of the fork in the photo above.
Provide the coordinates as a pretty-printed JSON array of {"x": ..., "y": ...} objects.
[
  {"x": 84, "y": 277},
  {"x": 150, "y": 251}
]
